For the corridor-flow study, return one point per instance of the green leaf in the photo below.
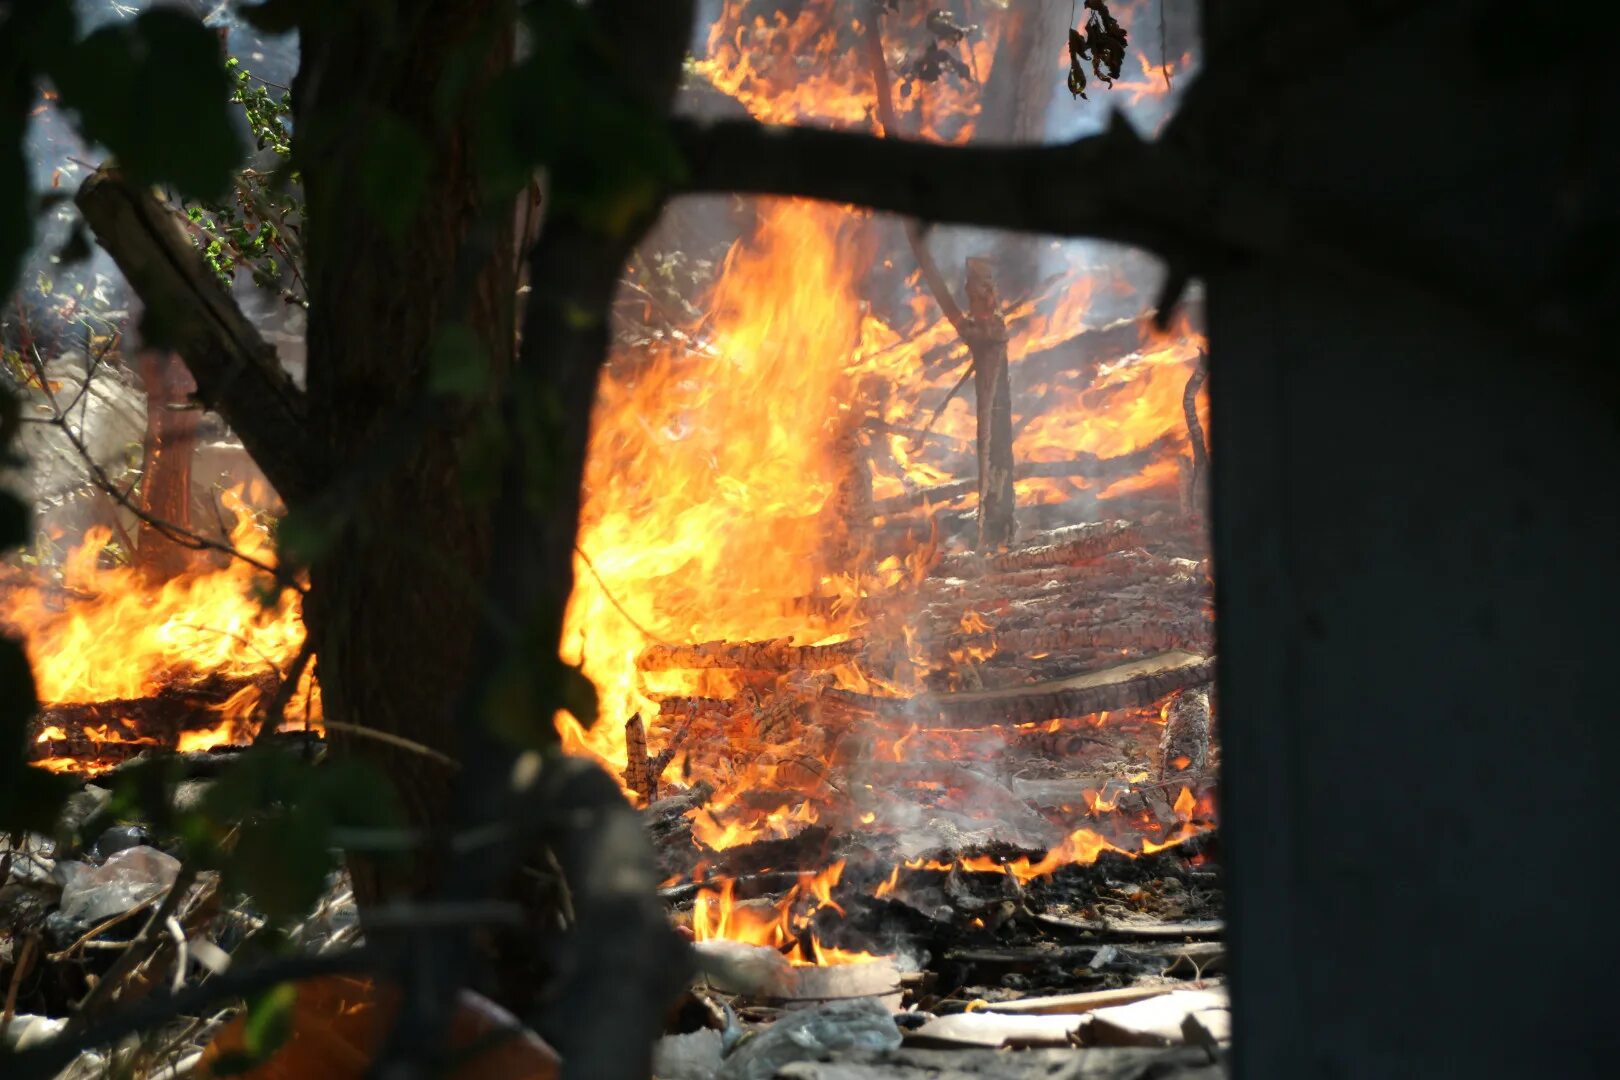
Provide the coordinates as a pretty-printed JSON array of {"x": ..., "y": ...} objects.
[
  {"x": 154, "y": 91},
  {"x": 282, "y": 860},
  {"x": 394, "y": 173},
  {"x": 265, "y": 1029}
]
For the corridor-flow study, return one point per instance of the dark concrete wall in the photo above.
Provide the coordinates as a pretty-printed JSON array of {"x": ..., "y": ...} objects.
[{"x": 1417, "y": 528}]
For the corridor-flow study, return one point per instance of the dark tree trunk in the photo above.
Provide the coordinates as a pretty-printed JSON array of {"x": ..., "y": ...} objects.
[{"x": 391, "y": 604}]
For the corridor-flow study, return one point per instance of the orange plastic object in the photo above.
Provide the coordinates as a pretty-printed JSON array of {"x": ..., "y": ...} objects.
[{"x": 339, "y": 1022}]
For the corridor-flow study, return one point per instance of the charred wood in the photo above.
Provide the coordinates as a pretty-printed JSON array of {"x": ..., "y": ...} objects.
[
  {"x": 1064, "y": 547},
  {"x": 642, "y": 770},
  {"x": 1090, "y": 467},
  {"x": 1130, "y": 685},
  {"x": 776, "y": 655},
  {"x": 115, "y": 729},
  {"x": 1110, "y": 635},
  {"x": 1184, "y": 747},
  {"x": 993, "y": 394}
]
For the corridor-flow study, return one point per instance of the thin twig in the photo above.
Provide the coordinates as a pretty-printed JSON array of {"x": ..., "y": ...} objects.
[
  {"x": 886, "y": 117},
  {"x": 360, "y": 731},
  {"x": 967, "y": 373},
  {"x": 20, "y": 968},
  {"x": 182, "y": 953},
  {"x": 285, "y": 690},
  {"x": 607, "y": 592},
  {"x": 100, "y": 479},
  {"x": 1164, "y": 48},
  {"x": 96, "y": 931}
]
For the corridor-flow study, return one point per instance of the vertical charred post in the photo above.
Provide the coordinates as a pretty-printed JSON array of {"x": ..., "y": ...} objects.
[
  {"x": 1184, "y": 747},
  {"x": 987, "y": 338},
  {"x": 850, "y": 508},
  {"x": 171, "y": 439}
]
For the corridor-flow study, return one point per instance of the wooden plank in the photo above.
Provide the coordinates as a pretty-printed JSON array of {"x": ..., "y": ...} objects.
[{"x": 1073, "y": 1004}]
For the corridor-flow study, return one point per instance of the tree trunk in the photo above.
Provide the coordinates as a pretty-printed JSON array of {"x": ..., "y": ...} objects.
[
  {"x": 1027, "y": 73},
  {"x": 391, "y": 604}
]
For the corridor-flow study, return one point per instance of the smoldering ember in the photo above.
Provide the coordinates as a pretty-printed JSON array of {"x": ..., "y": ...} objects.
[{"x": 612, "y": 540}]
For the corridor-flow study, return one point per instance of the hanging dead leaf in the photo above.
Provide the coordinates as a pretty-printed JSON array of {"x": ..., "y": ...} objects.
[
  {"x": 1107, "y": 40},
  {"x": 1103, "y": 45},
  {"x": 1077, "y": 53}
]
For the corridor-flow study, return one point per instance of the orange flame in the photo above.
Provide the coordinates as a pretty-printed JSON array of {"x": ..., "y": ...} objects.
[{"x": 119, "y": 637}]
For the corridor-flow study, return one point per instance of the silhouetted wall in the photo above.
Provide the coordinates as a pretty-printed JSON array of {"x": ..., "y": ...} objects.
[{"x": 1417, "y": 528}]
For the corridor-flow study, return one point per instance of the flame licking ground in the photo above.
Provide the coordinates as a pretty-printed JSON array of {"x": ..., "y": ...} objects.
[
  {"x": 709, "y": 468},
  {"x": 117, "y": 637}
]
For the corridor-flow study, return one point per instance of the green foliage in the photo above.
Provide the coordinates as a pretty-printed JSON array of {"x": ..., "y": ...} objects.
[
  {"x": 270, "y": 829},
  {"x": 256, "y": 228}
]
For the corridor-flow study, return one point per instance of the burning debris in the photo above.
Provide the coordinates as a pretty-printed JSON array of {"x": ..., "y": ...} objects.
[{"x": 899, "y": 613}]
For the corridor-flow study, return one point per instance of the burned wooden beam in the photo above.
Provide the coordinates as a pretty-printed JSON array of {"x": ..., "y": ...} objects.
[
  {"x": 1184, "y": 747},
  {"x": 105, "y": 731},
  {"x": 1063, "y": 547},
  {"x": 1090, "y": 466},
  {"x": 779, "y": 654},
  {"x": 1135, "y": 634},
  {"x": 1123, "y": 686},
  {"x": 993, "y": 396}
]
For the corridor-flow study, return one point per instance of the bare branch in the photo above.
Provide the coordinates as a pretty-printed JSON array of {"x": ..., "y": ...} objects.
[{"x": 1111, "y": 186}]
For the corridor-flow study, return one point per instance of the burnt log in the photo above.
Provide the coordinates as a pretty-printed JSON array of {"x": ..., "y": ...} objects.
[
  {"x": 779, "y": 654},
  {"x": 1184, "y": 746},
  {"x": 1140, "y": 634},
  {"x": 1063, "y": 547},
  {"x": 642, "y": 770},
  {"x": 100, "y": 732},
  {"x": 1123, "y": 686},
  {"x": 987, "y": 328},
  {"x": 1098, "y": 470},
  {"x": 171, "y": 441}
]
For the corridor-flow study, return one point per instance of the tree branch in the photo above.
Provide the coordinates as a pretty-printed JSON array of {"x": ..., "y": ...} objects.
[
  {"x": 891, "y": 129},
  {"x": 1111, "y": 186},
  {"x": 237, "y": 372}
]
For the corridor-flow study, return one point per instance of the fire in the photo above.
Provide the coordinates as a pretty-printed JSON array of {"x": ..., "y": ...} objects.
[
  {"x": 813, "y": 66},
  {"x": 718, "y": 915},
  {"x": 108, "y": 634}
]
